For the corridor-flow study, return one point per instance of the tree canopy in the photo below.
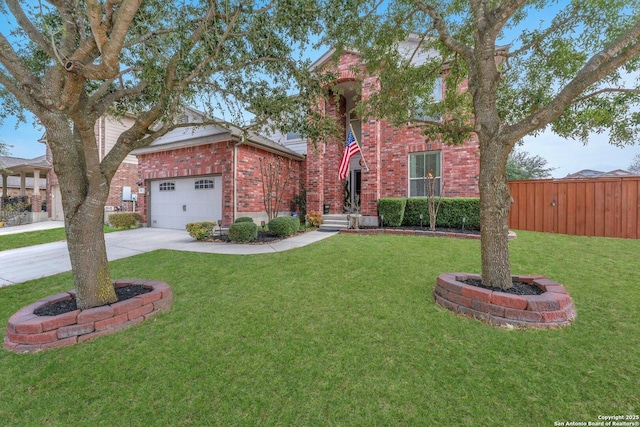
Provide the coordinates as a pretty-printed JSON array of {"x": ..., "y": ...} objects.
[
  {"x": 571, "y": 66},
  {"x": 522, "y": 165}
]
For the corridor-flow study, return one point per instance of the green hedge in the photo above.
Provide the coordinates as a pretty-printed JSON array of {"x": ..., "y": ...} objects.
[
  {"x": 393, "y": 211},
  {"x": 450, "y": 214},
  {"x": 244, "y": 219},
  {"x": 284, "y": 225},
  {"x": 201, "y": 230},
  {"x": 242, "y": 232},
  {"x": 124, "y": 219}
]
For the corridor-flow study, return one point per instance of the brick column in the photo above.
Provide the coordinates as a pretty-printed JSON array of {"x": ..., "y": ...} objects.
[
  {"x": 371, "y": 153},
  {"x": 23, "y": 184},
  {"x": 315, "y": 177},
  {"x": 36, "y": 200}
]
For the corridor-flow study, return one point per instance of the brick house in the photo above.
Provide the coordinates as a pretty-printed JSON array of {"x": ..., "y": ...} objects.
[
  {"x": 211, "y": 173},
  {"x": 393, "y": 161},
  {"x": 176, "y": 169}
]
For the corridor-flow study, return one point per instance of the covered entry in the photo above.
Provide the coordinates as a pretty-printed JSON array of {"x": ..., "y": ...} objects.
[{"x": 175, "y": 202}]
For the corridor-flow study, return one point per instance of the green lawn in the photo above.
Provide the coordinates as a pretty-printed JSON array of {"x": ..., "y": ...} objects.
[
  {"x": 343, "y": 332},
  {"x": 21, "y": 240}
]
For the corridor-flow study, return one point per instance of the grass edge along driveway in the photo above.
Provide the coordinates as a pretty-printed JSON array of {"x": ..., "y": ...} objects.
[{"x": 342, "y": 332}]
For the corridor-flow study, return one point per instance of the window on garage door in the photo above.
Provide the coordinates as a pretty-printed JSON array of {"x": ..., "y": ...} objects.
[
  {"x": 167, "y": 186},
  {"x": 204, "y": 184}
]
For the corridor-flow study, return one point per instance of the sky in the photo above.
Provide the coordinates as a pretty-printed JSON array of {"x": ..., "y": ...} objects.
[{"x": 564, "y": 155}]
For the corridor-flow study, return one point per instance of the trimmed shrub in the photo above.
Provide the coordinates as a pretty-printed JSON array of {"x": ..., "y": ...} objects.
[
  {"x": 452, "y": 210},
  {"x": 314, "y": 219},
  {"x": 450, "y": 214},
  {"x": 284, "y": 225},
  {"x": 416, "y": 206},
  {"x": 242, "y": 232},
  {"x": 201, "y": 230},
  {"x": 124, "y": 219},
  {"x": 243, "y": 219},
  {"x": 393, "y": 211}
]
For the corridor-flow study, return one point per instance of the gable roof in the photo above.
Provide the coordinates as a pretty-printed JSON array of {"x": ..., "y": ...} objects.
[
  {"x": 196, "y": 135},
  {"x": 15, "y": 165}
]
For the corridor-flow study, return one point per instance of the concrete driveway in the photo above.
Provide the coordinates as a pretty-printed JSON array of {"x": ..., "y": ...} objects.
[{"x": 34, "y": 262}]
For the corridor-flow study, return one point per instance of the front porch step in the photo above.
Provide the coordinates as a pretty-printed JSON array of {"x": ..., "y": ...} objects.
[{"x": 334, "y": 222}]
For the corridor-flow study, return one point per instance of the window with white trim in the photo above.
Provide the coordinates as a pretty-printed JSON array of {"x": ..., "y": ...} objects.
[
  {"x": 422, "y": 165},
  {"x": 293, "y": 135},
  {"x": 167, "y": 186},
  {"x": 202, "y": 184},
  {"x": 436, "y": 96}
]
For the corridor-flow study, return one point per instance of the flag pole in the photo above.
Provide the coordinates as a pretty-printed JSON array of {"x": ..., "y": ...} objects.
[{"x": 366, "y": 167}]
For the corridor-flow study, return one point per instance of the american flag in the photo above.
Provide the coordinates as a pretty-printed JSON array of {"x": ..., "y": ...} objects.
[{"x": 351, "y": 149}]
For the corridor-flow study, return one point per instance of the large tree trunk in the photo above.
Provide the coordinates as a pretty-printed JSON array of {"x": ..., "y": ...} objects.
[
  {"x": 84, "y": 189},
  {"x": 88, "y": 254},
  {"x": 495, "y": 202}
]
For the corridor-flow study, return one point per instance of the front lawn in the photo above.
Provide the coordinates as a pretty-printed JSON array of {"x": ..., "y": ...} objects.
[
  {"x": 342, "y": 332},
  {"x": 31, "y": 238}
]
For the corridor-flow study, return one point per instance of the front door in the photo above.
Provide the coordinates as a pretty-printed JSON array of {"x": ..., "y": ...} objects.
[{"x": 355, "y": 187}]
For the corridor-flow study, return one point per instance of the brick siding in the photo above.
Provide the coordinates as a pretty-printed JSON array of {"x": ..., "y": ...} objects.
[
  {"x": 217, "y": 159},
  {"x": 386, "y": 151}
]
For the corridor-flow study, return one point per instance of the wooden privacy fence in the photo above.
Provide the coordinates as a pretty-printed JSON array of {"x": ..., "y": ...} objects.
[{"x": 604, "y": 207}]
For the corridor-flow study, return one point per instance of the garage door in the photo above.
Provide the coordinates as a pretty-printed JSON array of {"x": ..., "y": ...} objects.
[{"x": 177, "y": 202}]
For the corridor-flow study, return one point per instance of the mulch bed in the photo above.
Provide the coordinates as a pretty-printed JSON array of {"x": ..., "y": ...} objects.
[
  {"x": 519, "y": 288},
  {"x": 123, "y": 293}
]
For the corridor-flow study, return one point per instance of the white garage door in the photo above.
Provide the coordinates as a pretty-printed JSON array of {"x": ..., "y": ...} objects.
[{"x": 177, "y": 202}]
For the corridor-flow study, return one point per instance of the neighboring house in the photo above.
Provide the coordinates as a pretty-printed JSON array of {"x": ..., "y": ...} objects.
[
  {"x": 589, "y": 173},
  {"x": 211, "y": 173},
  {"x": 124, "y": 183},
  {"x": 394, "y": 161},
  {"x": 25, "y": 178}
]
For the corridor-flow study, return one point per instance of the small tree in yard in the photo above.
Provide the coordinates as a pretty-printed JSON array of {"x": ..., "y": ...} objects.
[
  {"x": 524, "y": 66},
  {"x": 635, "y": 165},
  {"x": 275, "y": 173},
  {"x": 70, "y": 62},
  {"x": 522, "y": 165},
  {"x": 434, "y": 198}
]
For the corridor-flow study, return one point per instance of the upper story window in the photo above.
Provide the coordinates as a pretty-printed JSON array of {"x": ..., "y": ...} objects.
[
  {"x": 424, "y": 165},
  {"x": 167, "y": 186},
  {"x": 436, "y": 96},
  {"x": 293, "y": 135},
  {"x": 203, "y": 184}
]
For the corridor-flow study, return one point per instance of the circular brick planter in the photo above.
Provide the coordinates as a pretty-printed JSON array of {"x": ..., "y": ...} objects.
[
  {"x": 551, "y": 309},
  {"x": 28, "y": 332}
]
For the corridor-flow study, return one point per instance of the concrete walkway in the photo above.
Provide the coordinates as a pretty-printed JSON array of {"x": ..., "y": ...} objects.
[{"x": 34, "y": 262}]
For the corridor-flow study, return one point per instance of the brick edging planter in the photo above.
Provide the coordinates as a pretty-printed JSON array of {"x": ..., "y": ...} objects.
[
  {"x": 551, "y": 309},
  {"x": 28, "y": 332},
  {"x": 411, "y": 232}
]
